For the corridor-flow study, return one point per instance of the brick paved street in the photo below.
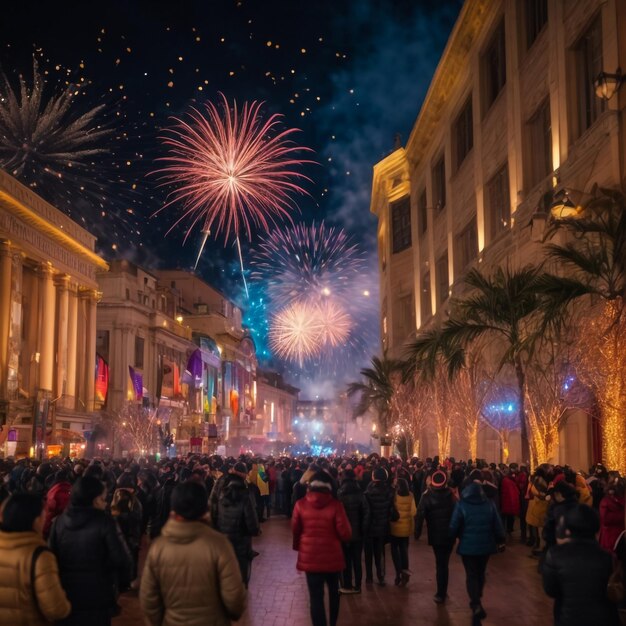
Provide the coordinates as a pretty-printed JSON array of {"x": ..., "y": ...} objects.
[{"x": 278, "y": 596}]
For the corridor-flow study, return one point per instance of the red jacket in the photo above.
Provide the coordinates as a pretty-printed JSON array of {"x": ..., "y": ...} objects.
[
  {"x": 611, "y": 521},
  {"x": 56, "y": 502},
  {"x": 509, "y": 497},
  {"x": 319, "y": 524}
]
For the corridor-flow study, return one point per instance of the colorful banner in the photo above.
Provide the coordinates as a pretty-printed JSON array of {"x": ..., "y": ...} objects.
[
  {"x": 136, "y": 380},
  {"x": 102, "y": 379}
]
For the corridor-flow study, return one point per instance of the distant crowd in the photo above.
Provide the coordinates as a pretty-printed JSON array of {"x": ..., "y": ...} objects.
[{"x": 72, "y": 533}]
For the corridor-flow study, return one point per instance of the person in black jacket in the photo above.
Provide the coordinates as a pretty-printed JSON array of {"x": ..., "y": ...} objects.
[
  {"x": 162, "y": 505},
  {"x": 236, "y": 517},
  {"x": 358, "y": 512},
  {"x": 576, "y": 572},
  {"x": 564, "y": 497},
  {"x": 91, "y": 553},
  {"x": 436, "y": 507},
  {"x": 379, "y": 497}
]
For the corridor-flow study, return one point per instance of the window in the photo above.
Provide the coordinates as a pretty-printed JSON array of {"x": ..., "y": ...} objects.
[
  {"x": 422, "y": 212},
  {"x": 540, "y": 145},
  {"x": 499, "y": 201},
  {"x": 439, "y": 184},
  {"x": 128, "y": 294},
  {"x": 102, "y": 343},
  {"x": 588, "y": 65},
  {"x": 536, "y": 19},
  {"x": 66, "y": 425},
  {"x": 494, "y": 66},
  {"x": 467, "y": 245},
  {"x": 442, "y": 278},
  {"x": 139, "y": 344},
  {"x": 404, "y": 320},
  {"x": 401, "y": 225},
  {"x": 425, "y": 304},
  {"x": 463, "y": 133}
]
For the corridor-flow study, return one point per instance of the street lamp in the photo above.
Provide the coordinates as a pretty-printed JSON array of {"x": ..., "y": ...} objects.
[{"x": 606, "y": 85}]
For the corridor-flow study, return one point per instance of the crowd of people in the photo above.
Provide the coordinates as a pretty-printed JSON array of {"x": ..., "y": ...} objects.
[{"x": 74, "y": 531}]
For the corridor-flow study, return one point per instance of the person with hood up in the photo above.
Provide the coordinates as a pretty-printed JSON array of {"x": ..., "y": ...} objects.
[
  {"x": 509, "y": 499},
  {"x": 92, "y": 554},
  {"x": 380, "y": 500},
  {"x": 320, "y": 525},
  {"x": 436, "y": 507},
  {"x": 612, "y": 515},
  {"x": 128, "y": 513},
  {"x": 538, "y": 502},
  {"x": 576, "y": 572},
  {"x": 236, "y": 517},
  {"x": 358, "y": 512},
  {"x": 191, "y": 575},
  {"x": 57, "y": 499},
  {"x": 32, "y": 594},
  {"x": 475, "y": 521},
  {"x": 401, "y": 529},
  {"x": 564, "y": 497}
]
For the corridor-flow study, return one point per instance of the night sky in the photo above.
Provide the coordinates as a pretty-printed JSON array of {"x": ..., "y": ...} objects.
[{"x": 349, "y": 73}]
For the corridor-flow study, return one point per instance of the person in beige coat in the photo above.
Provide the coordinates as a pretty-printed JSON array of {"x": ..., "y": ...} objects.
[
  {"x": 191, "y": 576},
  {"x": 23, "y": 519}
]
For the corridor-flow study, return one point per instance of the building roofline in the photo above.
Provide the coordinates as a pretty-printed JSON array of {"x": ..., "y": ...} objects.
[{"x": 453, "y": 58}]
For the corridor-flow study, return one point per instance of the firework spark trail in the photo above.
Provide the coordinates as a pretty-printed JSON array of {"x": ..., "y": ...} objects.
[
  {"x": 306, "y": 262},
  {"x": 232, "y": 171}
]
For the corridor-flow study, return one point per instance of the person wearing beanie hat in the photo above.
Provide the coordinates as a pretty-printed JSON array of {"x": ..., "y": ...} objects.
[
  {"x": 319, "y": 524},
  {"x": 563, "y": 496},
  {"x": 380, "y": 500},
  {"x": 436, "y": 507}
]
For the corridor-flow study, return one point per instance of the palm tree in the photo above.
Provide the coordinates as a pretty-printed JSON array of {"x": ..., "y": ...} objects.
[
  {"x": 596, "y": 258},
  {"x": 505, "y": 309},
  {"x": 376, "y": 390}
]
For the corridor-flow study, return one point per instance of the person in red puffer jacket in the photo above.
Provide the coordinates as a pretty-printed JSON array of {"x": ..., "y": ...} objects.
[
  {"x": 57, "y": 499},
  {"x": 509, "y": 500},
  {"x": 320, "y": 524},
  {"x": 612, "y": 515}
]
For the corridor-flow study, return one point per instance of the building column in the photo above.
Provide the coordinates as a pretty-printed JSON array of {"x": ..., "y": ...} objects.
[
  {"x": 69, "y": 401},
  {"x": 15, "y": 326},
  {"x": 62, "y": 284},
  {"x": 47, "y": 329},
  {"x": 5, "y": 314},
  {"x": 90, "y": 349}
]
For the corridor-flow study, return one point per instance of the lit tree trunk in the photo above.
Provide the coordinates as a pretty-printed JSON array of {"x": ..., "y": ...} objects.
[
  {"x": 612, "y": 398},
  {"x": 504, "y": 440},
  {"x": 472, "y": 443},
  {"x": 521, "y": 390}
]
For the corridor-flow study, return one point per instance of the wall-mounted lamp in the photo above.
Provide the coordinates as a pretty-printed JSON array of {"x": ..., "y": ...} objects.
[
  {"x": 606, "y": 85},
  {"x": 563, "y": 207}
]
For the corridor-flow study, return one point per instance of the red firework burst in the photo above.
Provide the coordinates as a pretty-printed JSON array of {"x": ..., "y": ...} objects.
[{"x": 231, "y": 169}]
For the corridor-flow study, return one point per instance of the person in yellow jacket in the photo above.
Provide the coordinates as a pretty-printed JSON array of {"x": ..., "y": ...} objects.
[
  {"x": 259, "y": 477},
  {"x": 29, "y": 575},
  {"x": 402, "y": 525},
  {"x": 538, "y": 503},
  {"x": 584, "y": 493}
]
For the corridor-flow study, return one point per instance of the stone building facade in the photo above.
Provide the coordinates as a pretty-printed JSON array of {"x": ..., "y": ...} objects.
[
  {"x": 510, "y": 114},
  {"x": 48, "y": 297}
]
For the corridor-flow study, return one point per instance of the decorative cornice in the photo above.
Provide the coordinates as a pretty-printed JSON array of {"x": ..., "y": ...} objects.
[
  {"x": 60, "y": 237},
  {"x": 453, "y": 61}
]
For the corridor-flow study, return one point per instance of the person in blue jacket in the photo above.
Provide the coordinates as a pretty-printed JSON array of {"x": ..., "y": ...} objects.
[{"x": 475, "y": 521}]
